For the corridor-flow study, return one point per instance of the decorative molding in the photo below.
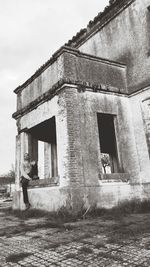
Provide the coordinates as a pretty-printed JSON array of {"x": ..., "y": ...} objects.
[
  {"x": 80, "y": 85},
  {"x": 146, "y": 99},
  {"x": 140, "y": 91}
]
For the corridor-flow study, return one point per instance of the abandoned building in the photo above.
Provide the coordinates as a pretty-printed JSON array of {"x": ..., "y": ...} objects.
[{"x": 88, "y": 107}]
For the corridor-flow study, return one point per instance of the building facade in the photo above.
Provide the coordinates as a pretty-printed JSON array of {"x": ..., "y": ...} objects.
[{"x": 89, "y": 105}]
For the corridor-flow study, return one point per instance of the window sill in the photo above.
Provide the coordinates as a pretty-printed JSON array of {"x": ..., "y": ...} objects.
[
  {"x": 115, "y": 178},
  {"x": 54, "y": 181}
]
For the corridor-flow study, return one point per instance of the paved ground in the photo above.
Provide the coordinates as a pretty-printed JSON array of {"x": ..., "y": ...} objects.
[{"x": 103, "y": 241}]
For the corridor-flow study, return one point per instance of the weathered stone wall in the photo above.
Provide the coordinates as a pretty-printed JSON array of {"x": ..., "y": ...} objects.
[
  {"x": 78, "y": 149},
  {"x": 73, "y": 66},
  {"x": 76, "y": 122},
  {"x": 56, "y": 107},
  {"x": 41, "y": 84},
  {"x": 46, "y": 198},
  {"x": 141, "y": 121},
  {"x": 76, "y": 199},
  {"x": 126, "y": 39},
  {"x": 89, "y": 105},
  {"x": 85, "y": 68}
]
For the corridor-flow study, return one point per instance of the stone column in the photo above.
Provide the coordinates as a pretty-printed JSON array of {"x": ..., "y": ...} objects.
[
  {"x": 47, "y": 161},
  {"x": 33, "y": 148},
  {"x": 23, "y": 145},
  {"x": 146, "y": 119},
  {"x": 73, "y": 161},
  {"x": 17, "y": 164},
  {"x": 54, "y": 160}
]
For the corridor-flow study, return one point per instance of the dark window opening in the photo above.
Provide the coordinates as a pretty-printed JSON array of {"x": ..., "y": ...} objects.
[
  {"x": 43, "y": 148},
  {"x": 108, "y": 145}
]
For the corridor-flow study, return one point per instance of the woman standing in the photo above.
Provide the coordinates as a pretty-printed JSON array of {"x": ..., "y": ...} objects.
[{"x": 26, "y": 169}]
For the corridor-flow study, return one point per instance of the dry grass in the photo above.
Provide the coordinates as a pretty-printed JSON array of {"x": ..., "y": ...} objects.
[
  {"x": 71, "y": 256},
  {"x": 63, "y": 215},
  {"x": 121, "y": 223},
  {"x": 15, "y": 258},
  {"x": 85, "y": 250}
]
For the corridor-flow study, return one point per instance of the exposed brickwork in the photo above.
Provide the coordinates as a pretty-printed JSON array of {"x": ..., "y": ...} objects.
[{"x": 74, "y": 136}]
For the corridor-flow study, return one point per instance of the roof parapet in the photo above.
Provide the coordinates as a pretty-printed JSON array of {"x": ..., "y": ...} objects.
[
  {"x": 54, "y": 57},
  {"x": 110, "y": 11}
]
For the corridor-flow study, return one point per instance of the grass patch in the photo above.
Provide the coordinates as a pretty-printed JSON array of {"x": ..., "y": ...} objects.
[
  {"x": 123, "y": 208},
  {"x": 15, "y": 258},
  {"x": 147, "y": 245},
  {"x": 127, "y": 230},
  {"x": 83, "y": 236},
  {"x": 36, "y": 237},
  {"x": 63, "y": 215},
  {"x": 28, "y": 214},
  {"x": 63, "y": 218},
  {"x": 131, "y": 207},
  {"x": 22, "y": 228},
  {"x": 85, "y": 250},
  {"x": 52, "y": 246},
  {"x": 107, "y": 255},
  {"x": 100, "y": 245},
  {"x": 84, "y": 241},
  {"x": 71, "y": 256},
  {"x": 117, "y": 239},
  {"x": 8, "y": 232}
]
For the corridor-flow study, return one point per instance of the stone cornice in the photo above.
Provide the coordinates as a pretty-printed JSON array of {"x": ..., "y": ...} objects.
[
  {"x": 81, "y": 87},
  {"x": 54, "y": 57},
  {"x": 140, "y": 91},
  {"x": 44, "y": 67},
  {"x": 109, "y": 13}
]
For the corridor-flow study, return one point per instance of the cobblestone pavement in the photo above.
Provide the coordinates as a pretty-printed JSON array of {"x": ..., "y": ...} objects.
[{"x": 91, "y": 242}]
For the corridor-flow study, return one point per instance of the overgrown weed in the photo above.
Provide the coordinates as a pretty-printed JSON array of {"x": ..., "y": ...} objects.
[
  {"x": 15, "y": 258},
  {"x": 134, "y": 206},
  {"x": 64, "y": 215}
]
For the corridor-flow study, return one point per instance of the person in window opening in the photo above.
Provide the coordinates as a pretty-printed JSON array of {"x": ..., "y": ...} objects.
[{"x": 29, "y": 171}]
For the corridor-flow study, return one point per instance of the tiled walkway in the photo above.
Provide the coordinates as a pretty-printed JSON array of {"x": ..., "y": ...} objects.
[{"x": 90, "y": 243}]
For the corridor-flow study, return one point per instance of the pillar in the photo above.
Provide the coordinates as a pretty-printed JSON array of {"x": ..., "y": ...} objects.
[{"x": 47, "y": 161}]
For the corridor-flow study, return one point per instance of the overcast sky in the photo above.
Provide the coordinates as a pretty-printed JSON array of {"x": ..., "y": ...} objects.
[{"x": 30, "y": 32}]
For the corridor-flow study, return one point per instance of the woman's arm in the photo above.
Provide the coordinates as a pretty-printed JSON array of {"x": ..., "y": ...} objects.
[{"x": 24, "y": 174}]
